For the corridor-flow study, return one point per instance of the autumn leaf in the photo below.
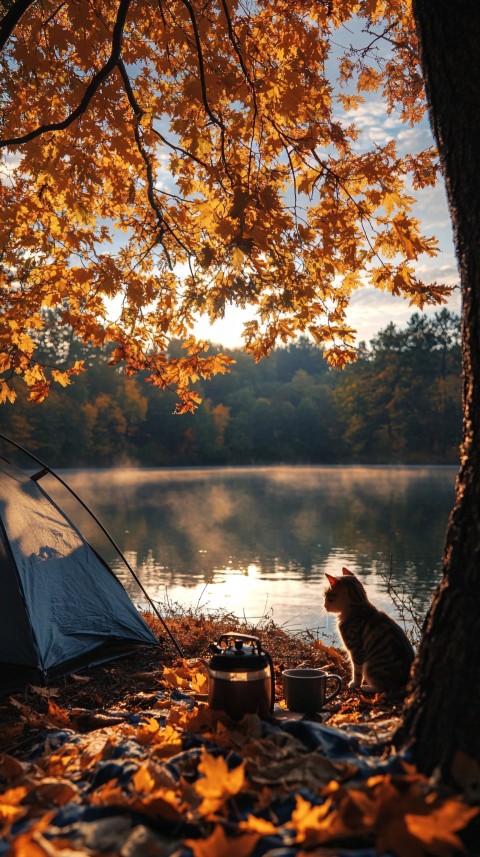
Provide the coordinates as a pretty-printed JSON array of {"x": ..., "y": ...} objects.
[
  {"x": 437, "y": 829},
  {"x": 55, "y": 792},
  {"x": 11, "y": 809},
  {"x": 174, "y": 678},
  {"x": 31, "y": 845},
  {"x": 313, "y": 824},
  {"x": 57, "y": 715},
  {"x": 142, "y": 780},
  {"x": 168, "y": 743},
  {"x": 164, "y": 741},
  {"x": 11, "y": 768},
  {"x": 38, "y": 392},
  {"x": 199, "y": 683},
  {"x": 5, "y": 362},
  {"x": 216, "y": 783},
  {"x": 219, "y": 845},
  {"x": 62, "y": 378},
  {"x": 153, "y": 798},
  {"x": 7, "y": 394},
  {"x": 262, "y": 826},
  {"x": 149, "y": 731},
  {"x": 198, "y": 720},
  {"x": 46, "y": 692}
]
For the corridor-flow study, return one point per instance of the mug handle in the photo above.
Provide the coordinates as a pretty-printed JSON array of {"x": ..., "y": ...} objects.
[{"x": 337, "y": 689}]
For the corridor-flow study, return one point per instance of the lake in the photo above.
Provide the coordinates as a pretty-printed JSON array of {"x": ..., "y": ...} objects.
[{"x": 257, "y": 541}]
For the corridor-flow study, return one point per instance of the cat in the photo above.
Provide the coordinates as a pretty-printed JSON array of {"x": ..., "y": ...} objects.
[{"x": 380, "y": 651}]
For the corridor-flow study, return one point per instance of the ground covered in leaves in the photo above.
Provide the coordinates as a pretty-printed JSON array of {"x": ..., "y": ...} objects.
[{"x": 128, "y": 759}]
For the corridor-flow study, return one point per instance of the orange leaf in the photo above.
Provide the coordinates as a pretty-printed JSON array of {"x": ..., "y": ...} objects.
[
  {"x": 58, "y": 716},
  {"x": 11, "y": 768},
  {"x": 217, "y": 784},
  {"x": 142, "y": 780},
  {"x": 437, "y": 830},
  {"x": 310, "y": 821},
  {"x": 31, "y": 845},
  {"x": 162, "y": 802},
  {"x": 258, "y": 825},
  {"x": 218, "y": 845},
  {"x": 52, "y": 791}
]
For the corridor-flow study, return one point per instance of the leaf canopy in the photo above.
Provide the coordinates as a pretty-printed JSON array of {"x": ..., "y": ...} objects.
[{"x": 165, "y": 158}]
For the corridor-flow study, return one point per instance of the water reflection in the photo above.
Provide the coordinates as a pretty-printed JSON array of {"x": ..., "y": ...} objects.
[{"x": 259, "y": 539}]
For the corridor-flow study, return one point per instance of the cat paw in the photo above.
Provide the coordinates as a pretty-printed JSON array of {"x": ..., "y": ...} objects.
[{"x": 353, "y": 685}]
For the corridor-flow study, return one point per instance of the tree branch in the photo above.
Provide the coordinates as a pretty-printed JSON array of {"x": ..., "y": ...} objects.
[
  {"x": 11, "y": 19},
  {"x": 236, "y": 47},
  {"x": 201, "y": 68},
  {"x": 96, "y": 81},
  {"x": 163, "y": 226}
]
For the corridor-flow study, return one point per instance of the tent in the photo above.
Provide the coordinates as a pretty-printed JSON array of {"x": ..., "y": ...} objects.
[{"x": 61, "y": 606}]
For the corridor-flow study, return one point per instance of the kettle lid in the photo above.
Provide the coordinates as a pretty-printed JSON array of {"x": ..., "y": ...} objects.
[{"x": 240, "y": 652}]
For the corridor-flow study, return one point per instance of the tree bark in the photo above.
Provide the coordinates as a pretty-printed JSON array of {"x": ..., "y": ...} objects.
[{"x": 442, "y": 711}]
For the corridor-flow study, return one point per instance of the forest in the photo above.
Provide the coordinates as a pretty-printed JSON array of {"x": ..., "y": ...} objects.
[{"x": 400, "y": 402}]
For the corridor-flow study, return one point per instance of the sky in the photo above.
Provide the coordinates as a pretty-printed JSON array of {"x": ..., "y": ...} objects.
[{"x": 370, "y": 309}]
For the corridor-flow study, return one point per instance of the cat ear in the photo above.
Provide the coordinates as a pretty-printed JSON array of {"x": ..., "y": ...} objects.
[
  {"x": 348, "y": 573},
  {"x": 331, "y": 579}
]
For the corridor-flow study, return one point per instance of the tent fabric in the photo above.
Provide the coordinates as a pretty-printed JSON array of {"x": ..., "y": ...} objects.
[{"x": 58, "y": 600}]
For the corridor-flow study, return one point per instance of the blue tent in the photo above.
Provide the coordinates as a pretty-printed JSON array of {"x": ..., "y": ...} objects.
[{"x": 61, "y": 606}]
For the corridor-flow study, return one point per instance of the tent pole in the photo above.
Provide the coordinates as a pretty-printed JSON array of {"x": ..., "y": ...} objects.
[{"x": 46, "y": 469}]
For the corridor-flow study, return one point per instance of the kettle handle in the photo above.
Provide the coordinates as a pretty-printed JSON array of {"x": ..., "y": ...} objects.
[
  {"x": 272, "y": 680},
  {"x": 234, "y": 635}
]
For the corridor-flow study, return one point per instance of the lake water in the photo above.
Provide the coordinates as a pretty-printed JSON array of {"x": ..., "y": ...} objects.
[{"x": 257, "y": 542}]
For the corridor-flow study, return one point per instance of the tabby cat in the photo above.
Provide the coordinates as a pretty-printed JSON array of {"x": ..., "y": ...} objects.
[{"x": 380, "y": 651}]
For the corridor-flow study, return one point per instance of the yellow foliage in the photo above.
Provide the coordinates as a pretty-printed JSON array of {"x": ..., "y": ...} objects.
[
  {"x": 217, "y": 783},
  {"x": 210, "y": 166}
]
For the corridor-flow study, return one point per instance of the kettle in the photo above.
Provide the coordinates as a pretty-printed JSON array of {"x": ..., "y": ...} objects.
[{"x": 240, "y": 676}]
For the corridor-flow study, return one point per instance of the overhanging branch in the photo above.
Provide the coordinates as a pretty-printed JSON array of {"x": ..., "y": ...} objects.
[
  {"x": 96, "y": 81},
  {"x": 11, "y": 19},
  {"x": 163, "y": 226}
]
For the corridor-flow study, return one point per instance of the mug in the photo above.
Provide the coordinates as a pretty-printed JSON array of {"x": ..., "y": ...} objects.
[{"x": 306, "y": 689}]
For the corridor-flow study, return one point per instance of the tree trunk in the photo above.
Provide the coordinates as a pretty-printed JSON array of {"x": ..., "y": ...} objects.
[{"x": 442, "y": 711}]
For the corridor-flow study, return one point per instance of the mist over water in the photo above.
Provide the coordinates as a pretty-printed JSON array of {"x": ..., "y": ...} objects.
[{"x": 257, "y": 541}]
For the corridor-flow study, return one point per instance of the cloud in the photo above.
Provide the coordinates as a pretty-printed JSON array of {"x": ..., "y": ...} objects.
[{"x": 371, "y": 310}]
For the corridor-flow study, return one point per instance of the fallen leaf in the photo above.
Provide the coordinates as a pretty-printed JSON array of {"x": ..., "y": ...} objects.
[
  {"x": 53, "y": 791},
  {"x": 218, "y": 845},
  {"x": 217, "y": 783},
  {"x": 253, "y": 824},
  {"x": 197, "y": 720},
  {"x": 314, "y": 824},
  {"x": 57, "y": 716},
  {"x": 45, "y": 692},
  {"x": 142, "y": 780},
  {"x": 437, "y": 830},
  {"x": 11, "y": 768},
  {"x": 162, "y": 803}
]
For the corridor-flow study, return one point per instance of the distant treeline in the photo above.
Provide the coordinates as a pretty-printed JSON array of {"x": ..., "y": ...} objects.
[{"x": 399, "y": 403}]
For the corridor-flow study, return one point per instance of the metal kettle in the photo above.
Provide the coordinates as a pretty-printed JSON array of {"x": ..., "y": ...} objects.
[{"x": 240, "y": 676}]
